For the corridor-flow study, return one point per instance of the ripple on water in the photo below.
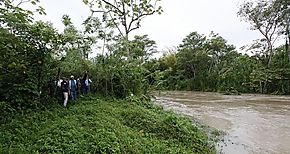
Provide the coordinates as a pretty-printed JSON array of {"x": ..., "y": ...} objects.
[{"x": 254, "y": 123}]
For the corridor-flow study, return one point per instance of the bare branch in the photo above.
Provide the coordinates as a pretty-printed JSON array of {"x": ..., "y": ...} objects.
[
  {"x": 133, "y": 29},
  {"x": 272, "y": 22},
  {"x": 274, "y": 30},
  {"x": 21, "y": 2},
  {"x": 98, "y": 11},
  {"x": 139, "y": 17},
  {"x": 124, "y": 22}
]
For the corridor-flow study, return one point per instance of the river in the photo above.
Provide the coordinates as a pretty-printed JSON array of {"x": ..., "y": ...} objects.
[{"x": 254, "y": 124}]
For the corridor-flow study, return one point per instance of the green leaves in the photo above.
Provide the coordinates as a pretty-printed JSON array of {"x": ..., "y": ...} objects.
[
  {"x": 265, "y": 17},
  {"x": 86, "y": 2},
  {"x": 102, "y": 126},
  {"x": 26, "y": 55},
  {"x": 125, "y": 15}
]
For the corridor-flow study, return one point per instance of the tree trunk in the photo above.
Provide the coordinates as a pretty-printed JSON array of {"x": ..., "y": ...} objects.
[
  {"x": 104, "y": 44},
  {"x": 127, "y": 47},
  {"x": 56, "y": 79},
  {"x": 261, "y": 87},
  {"x": 270, "y": 49},
  {"x": 112, "y": 86},
  {"x": 288, "y": 44}
]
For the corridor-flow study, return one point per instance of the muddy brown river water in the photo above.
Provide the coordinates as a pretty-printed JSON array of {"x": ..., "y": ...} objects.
[{"x": 254, "y": 124}]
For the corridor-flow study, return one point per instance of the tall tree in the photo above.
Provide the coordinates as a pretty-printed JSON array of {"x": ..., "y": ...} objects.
[
  {"x": 284, "y": 7},
  {"x": 26, "y": 48},
  {"x": 72, "y": 39},
  {"x": 125, "y": 15},
  {"x": 143, "y": 47},
  {"x": 264, "y": 16}
]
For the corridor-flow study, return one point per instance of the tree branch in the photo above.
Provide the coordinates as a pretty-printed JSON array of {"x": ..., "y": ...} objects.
[
  {"x": 274, "y": 30},
  {"x": 21, "y": 2},
  {"x": 139, "y": 17},
  {"x": 115, "y": 7},
  {"x": 116, "y": 24},
  {"x": 133, "y": 29},
  {"x": 98, "y": 11}
]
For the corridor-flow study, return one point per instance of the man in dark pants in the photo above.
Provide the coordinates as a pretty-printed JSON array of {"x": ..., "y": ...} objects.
[
  {"x": 65, "y": 91},
  {"x": 73, "y": 88},
  {"x": 59, "y": 94}
]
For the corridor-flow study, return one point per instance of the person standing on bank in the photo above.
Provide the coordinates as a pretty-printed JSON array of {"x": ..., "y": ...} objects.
[
  {"x": 73, "y": 88},
  {"x": 65, "y": 91},
  {"x": 79, "y": 86},
  {"x": 88, "y": 82},
  {"x": 59, "y": 93}
]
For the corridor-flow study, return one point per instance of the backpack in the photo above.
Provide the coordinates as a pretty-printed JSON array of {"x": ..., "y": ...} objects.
[{"x": 64, "y": 86}]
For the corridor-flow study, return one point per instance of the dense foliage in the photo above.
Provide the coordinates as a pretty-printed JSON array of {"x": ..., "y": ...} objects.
[
  {"x": 210, "y": 64},
  {"x": 26, "y": 63},
  {"x": 34, "y": 55}
]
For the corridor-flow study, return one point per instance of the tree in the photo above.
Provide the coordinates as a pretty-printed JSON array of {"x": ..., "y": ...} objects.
[
  {"x": 143, "y": 47},
  {"x": 26, "y": 63},
  {"x": 222, "y": 54},
  {"x": 125, "y": 15},
  {"x": 264, "y": 16},
  {"x": 198, "y": 63},
  {"x": 193, "y": 60},
  {"x": 284, "y": 7},
  {"x": 236, "y": 74},
  {"x": 93, "y": 25},
  {"x": 72, "y": 39}
]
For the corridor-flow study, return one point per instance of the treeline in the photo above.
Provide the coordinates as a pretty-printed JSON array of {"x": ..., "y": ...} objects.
[
  {"x": 210, "y": 64},
  {"x": 34, "y": 55},
  {"x": 203, "y": 63}
]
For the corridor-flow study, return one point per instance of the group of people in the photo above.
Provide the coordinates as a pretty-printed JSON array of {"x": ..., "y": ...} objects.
[{"x": 72, "y": 88}]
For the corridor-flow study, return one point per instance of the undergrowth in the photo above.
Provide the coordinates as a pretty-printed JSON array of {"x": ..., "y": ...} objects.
[{"x": 102, "y": 126}]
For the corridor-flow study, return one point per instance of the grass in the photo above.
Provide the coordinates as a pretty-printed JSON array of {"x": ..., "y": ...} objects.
[{"x": 102, "y": 126}]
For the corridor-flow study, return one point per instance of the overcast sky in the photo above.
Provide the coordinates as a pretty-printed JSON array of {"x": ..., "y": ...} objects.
[{"x": 178, "y": 20}]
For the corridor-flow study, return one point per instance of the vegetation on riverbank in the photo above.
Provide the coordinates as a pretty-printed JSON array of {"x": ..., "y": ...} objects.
[
  {"x": 34, "y": 55},
  {"x": 103, "y": 126},
  {"x": 210, "y": 63}
]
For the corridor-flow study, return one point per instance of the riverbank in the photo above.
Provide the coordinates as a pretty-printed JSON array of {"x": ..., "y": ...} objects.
[{"x": 103, "y": 126}]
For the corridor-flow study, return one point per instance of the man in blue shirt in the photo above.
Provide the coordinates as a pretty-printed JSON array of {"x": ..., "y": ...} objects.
[
  {"x": 88, "y": 82},
  {"x": 73, "y": 88}
]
